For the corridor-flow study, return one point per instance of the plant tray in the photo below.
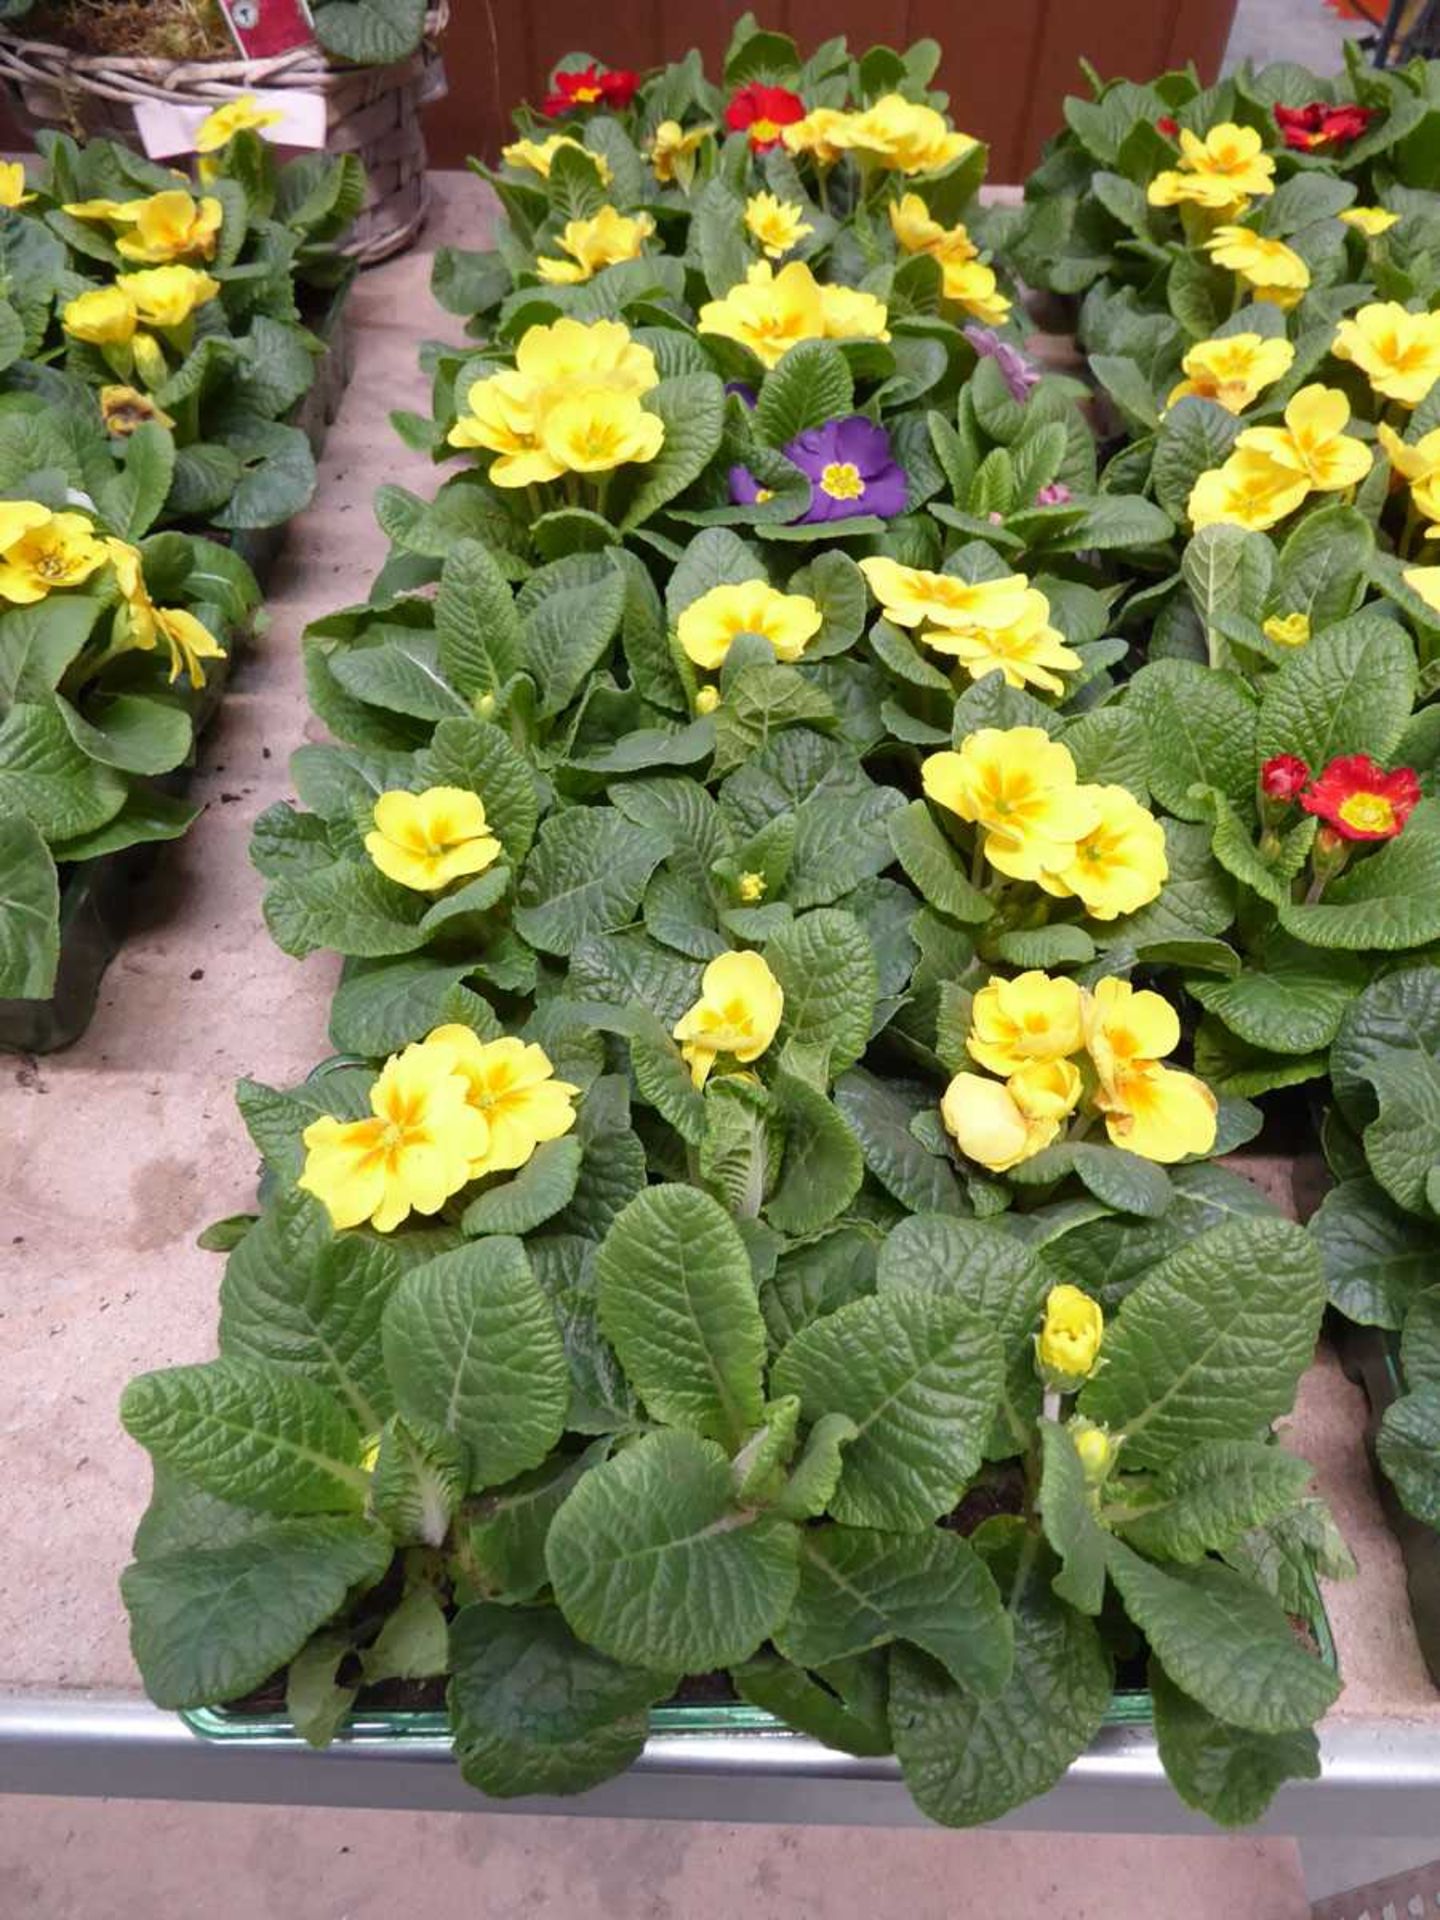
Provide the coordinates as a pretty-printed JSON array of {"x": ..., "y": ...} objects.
[
  {"x": 397, "y": 1729},
  {"x": 1371, "y": 1358},
  {"x": 96, "y": 896}
]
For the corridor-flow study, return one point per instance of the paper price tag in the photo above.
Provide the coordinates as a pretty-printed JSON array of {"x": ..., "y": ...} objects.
[
  {"x": 263, "y": 28},
  {"x": 167, "y": 129}
]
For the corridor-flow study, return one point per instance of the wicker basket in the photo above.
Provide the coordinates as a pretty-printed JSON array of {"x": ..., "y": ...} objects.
[{"x": 371, "y": 111}]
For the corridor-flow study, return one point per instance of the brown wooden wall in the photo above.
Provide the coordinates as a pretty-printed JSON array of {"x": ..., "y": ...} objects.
[{"x": 1008, "y": 63}]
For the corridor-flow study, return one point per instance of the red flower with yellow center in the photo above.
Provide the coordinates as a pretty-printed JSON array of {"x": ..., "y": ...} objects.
[
  {"x": 762, "y": 112},
  {"x": 1319, "y": 125},
  {"x": 1362, "y": 801},
  {"x": 591, "y": 86}
]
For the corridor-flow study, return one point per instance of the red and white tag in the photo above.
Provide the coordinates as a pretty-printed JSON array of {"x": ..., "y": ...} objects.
[{"x": 263, "y": 28}]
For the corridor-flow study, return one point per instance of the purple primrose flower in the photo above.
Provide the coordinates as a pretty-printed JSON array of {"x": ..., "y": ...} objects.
[
  {"x": 1057, "y": 494},
  {"x": 850, "y": 467},
  {"x": 743, "y": 392},
  {"x": 1021, "y": 375}
]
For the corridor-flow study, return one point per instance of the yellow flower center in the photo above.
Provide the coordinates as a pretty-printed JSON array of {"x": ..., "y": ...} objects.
[
  {"x": 762, "y": 494},
  {"x": 1368, "y": 813},
  {"x": 764, "y": 130},
  {"x": 841, "y": 480},
  {"x": 588, "y": 95}
]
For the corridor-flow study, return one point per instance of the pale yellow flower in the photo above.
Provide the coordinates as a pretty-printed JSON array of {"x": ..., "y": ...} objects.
[
  {"x": 737, "y": 1014},
  {"x": 1233, "y": 369},
  {"x": 1313, "y": 440},
  {"x": 1250, "y": 490},
  {"x": 245, "y": 115},
  {"x": 428, "y": 840},
  {"x": 779, "y": 225},
  {"x": 1397, "y": 351},
  {"x": 1015, "y": 1022},
  {"x": 1271, "y": 270},
  {"x": 604, "y": 240},
  {"x": 1019, "y": 787},
  {"x": 711, "y": 624}
]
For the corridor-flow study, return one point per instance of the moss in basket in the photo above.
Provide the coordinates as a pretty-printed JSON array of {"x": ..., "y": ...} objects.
[{"x": 161, "y": 29}]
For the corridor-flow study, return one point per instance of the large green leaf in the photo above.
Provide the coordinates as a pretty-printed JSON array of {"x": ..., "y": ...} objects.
[
  {"x": 920, "y": 1374},
  {"x": 811, "y": 384},
  {"x": 534, "y": 1195},
  {"x": 879, "y": 1112},
  {"x": 1069, "y": 1521},
  {"x": 534, "y": 1710},
  {"x": 208, "y": 1624},
  {"x": 350, "y": 907},
  {"x": 371, "y": 33},
  {"x": 1390, "y": 899},
  {"x": 1402, "y": 1143},
  {"x": 1211, "y": 1345},
  {"x": 693, "y": 410},
  {"x": 822, "y": 1166},
  {"x": 825, "y": 964},
  {"x": 861, "y": 1589},
  {"x": 1201, "y": 728},
  {"x": 131, "y": 731},
  {"x": 471, "y": 1344},
  {"x": 381, "y": 1005},
  {"x": 29, "y": 910},
  {"x": 1220, "y": 1770},
  {"x": 1323, "y": 567},
  {"x": 1211, "y": 1496},
  {"x": 252, "y": 1434},
  {"x": 45, "y": 775},
  {"x": 1350, "y": 690},
  {"x": 935, "y": 866},
  {"x": 476, "y": 625},
  {"x": 133, "y": 497},
  {"x": 677, "y": 1302},
  {"x": 1408, "y": 1446},
  {"x": 967, "y": 1759},
  {"x": 846, "y": 1711},
  {"x": 586, "y": 875},
  {"x": 37, "y": 643},
  {"x": 570, "y": 612},
  {"x": 651, "y": 1560},
  {"x": 1225, "y": 1643},
  {"x": 1292, "y": 1002},
  {"x": 1375, "y": 1256},
  {"x": 403, "y": 675}
]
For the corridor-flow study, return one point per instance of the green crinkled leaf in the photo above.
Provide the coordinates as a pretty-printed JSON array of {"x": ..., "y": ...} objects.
[
  {"x": 1376, "y": 1257},
  {"x": 1194, "y": 436},
  {"x": 252, "y": 1434},
  {"x": 37, "y": 644},
  {"x": 693, "y": 410},
  {"x": 1408, "y": 1447},
  {"x": 934, "y": 865},
  {"x": 1121, "y": 1179},
  {"x": 822, "y": 1166},
  {"x": 29, "y": 910},
  {"x": 1234, "y": 846},
  {"x": 1197, "y": 902},
  {"x": 1069, "y": 1520},
  {"x": 861, "y": 1589},
  {"x": 1208, "y": 1498},
  {"x": 825, "y": 964},
  {"x": 879, "y": 1112},
  {"x": 1223, "y": 1771},
  {"x": 534, "y": 1710},
  {"x": 921, "y": 1376},
  {"x": 586, "y": 875},
  {"x": 420, "y": 1478},
  {"x": 1323, "y": 568},
  {"x": 1348, "y": 690},
  {"x": 349, "y": 906},
  {"x": 844, "y": 1707},
  {"x": 1200, "y": 725},
  {"x": 1402, "y": 1143},
  {"x": 402, "y": 675},
  {"x": 381, "y": 1006},
  {"x": 471, "y": 1346},
  {"x": 477, "y": 628},
  {"x": 677, "y": 1302},
  {"x": 816, "y": 1474},
  {"x": 811, "y": 384},
  {"x": 1224, "y": 1643},
  {"x": 1291, "y": 1003},
  {"x": 540, "y": 1189},
  {"x": 650, "y": 1558},
  {"x": 132, "y": 732},
  {"x": 45, "y": 775},
  {"x": 570, "y": 611},
  {"x": 1211, "y": 1345},
  {"x": 967, "y": 1760},
  {"x": 503, "y": 1545},
  {"x": 1389, "y": 899},
  {"x": 208, "y": 1624}
]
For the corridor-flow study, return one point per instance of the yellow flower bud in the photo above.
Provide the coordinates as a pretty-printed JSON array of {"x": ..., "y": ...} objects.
[
  {"x": 752, "y": 887},
  {"x": 707, "y": 700},
  {"x": 1068, "y": 1344},
  {"x": 1096, "y": 1447}
]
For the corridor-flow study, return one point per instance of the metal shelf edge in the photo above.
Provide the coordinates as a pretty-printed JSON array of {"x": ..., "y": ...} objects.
[{"x": 1379, "y": 1777}]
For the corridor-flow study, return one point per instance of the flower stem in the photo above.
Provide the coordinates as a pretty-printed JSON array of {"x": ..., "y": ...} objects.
[{"x": 977, "y": 863}]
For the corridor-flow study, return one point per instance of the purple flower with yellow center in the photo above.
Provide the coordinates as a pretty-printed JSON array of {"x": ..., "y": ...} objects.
[
  {"x": 1021, "y": 375},
  {"x": 851, "y": 469}
]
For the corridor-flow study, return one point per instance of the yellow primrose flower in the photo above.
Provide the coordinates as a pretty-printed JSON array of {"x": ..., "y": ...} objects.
[
  {"x": 1125, "y": 1026},
  {"x": 1018, "y": 786},
  {"x": 1371, "y": 221},
  {"x": 170, "y": 224},
  {"x": 900, "y": 136},
  {"x": 1287, "y": 629},
  {"x": 1419, "y": 463},
  {"x": 973, "y": 286},
  {"x": 600, "y": 350},
  {"x": 413, "y": 1154},
  {"x": 751, "y": 887},
  {"x": 1233, "y": 155},
  {"x": 1250, "y": 490},
  {"x": 123, "y": 409},
  {"x": 602, "y": 241},
  {"x": 1120, "y": 864},
  {"x": 815, "y": 135},
  {"x": 1269, "y": 268},
  {"x": 1016, "y": 1022},
  {"x": 167, "y": 296},
  {"x": 1233, "y": 370},
  {"x": 1159, "y": 1113},
  {"x": 103, "y": 317},
  {"x": 1211, "y": 194},
  {"x": 779, "y": 225},
  {"x": 709, "y": 626},
  {"x": 913, "y": 597},
  {"x": 1313, "y": 440},
  {"x": 12, "y": 184},
  {"x": 1025, "y": 652},
  {"x": 917, "y": 231},
  {"x": 849, "y": 314},
  {"x": 511, "y": 1085},
  {"x": 672, "y": 151},
  {"x": 118, "y": 213},
  {"x": 597, "y": 429},
  {"x": 769, "y": 312},
  {"x": 1046, "y": 1089},
  {"x": 190, "y": 641},
  {"x": 1067, "y": 1346},
  {"x": 1397, "y": 351},
  {"x": 503, "y": 420},
  {"x": 427, "y": 840},
  {"x": 988, "y": 1124},
  {"x": 539, "y": 155},
  {"x": 45, "y": 553},
  {"x": 738, "y": 1013},
  {"x": 1426, "y": 582},
  {"x": 245, "y": 115}
]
